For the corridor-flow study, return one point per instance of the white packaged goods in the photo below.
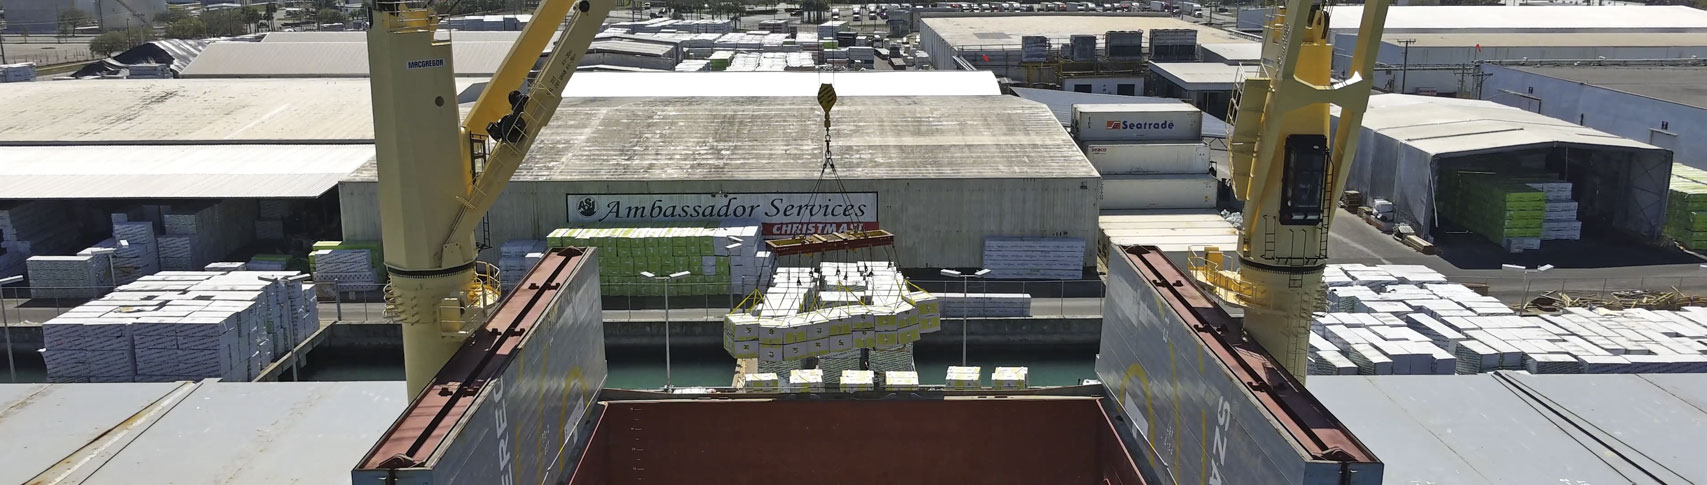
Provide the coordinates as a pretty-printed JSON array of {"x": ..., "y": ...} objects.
[
  {"x": 182, "y": 326},
  {"x": 1034, "y": 257},
  {"x": 1445, "y": 328},
  {"x": 873, "y": 307},
  {"x": 964, "y": 377},
  {"x": 32, "y": 228},
  {"x": 198, "y": 234},
  {"x": 1158, "y": 191},
  {"x": 1117, "y": 122},
  {"x": 1009, "y": 378},
  {"x": 721, "y": 257},
  {"x": 1132, "y": 158},
  {"x": 19, "y": 72},
  {"x": 760, "y": 382},
  {"x": 984, "y": 304},
  {"x": 858, "y": 380},
  {"x": 805, "y": 380},
  {"x": 516, "y": 258},
  {"x": 896, "y": 380}
]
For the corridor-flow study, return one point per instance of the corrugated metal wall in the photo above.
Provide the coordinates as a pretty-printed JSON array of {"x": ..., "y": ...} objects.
[{"x": 938, "y": 223}]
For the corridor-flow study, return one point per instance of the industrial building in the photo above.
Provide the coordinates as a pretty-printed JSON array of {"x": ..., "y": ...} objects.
[
  {"x": 1495, "y": 19},
  {"x": 1661, "y": 105},
  {"x": 1411, "y": 143},
  {"x": 1208, "y": 86},
  {"x": 993, "y": 43},
  {"x": 42, "y": 16},
  {"x": 296, "y": 138},
  {"x": 1446, "y": 64},
  {"x": 941, "y": 172}
]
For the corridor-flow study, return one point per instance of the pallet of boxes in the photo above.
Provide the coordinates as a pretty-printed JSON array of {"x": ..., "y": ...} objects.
[
  {"x": 1516, "y": 211},
  {"x": 1686, "y": 207},
  {"x": 182, "y": 325},
  {"x": 723, "y": 258},
  {"x": 347, "y": 267}
]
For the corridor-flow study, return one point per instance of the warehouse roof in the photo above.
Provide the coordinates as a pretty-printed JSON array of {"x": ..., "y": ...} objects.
[
  {"x": 1061, "y": 104},
  {"x": 1443, "y": 126},
  {"x": 1677, "y": 84},
  {"x": 164, "y": 171},
  {"x": 238, "y": 432},
  {"x": 1203, "y": 76},
  {"x": 295, "y": 111},
  {"x": 360, "y": 36},
  {"x": 1233, "y": 52},
  {"x": 1497, "y": 18},
  {"x": 1519, "y": 428},
  {"x": 323, "y": 59},
  {"x": 1551, "y": 39},
  {"x": 1002, "y": 30},
  {"x": 781, "y": 138}
]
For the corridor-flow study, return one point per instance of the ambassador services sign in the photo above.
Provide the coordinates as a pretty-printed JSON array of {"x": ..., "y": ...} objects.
[{"x": 780, "y": 214}]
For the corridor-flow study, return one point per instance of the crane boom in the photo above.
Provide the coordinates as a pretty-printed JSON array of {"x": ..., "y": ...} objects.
[
  {"x": 438, "y": 176},
  {"x": 1288, "y": 170}
]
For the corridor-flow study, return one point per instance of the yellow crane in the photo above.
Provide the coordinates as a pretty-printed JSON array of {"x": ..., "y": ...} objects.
[
  {"x": 1289, "y": 171},
  {"x": 440, "y": 171}
]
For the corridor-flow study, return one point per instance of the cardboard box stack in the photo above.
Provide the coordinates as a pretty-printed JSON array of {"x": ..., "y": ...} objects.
[
  {"x": 72, "y": 277},
  {"x": 35, "y": 227},
  {"x": 348, "y": 265},
  {"x": 1412, "y": 322},
  {"x": 270, "y": 224},
  {"x": 181, "y": 326},
  {"x": 760, "y": 382},
  {"x": 268, "y": 262},
  {"x": 1009, "y": 378},
  {"x": 858, "y": 380},
  {"x": 18, "y": 72},
  {"x": 198, "y": 234},
  {"x": 515, "y": 259},
  {"x": 791, "y": 322},
  {"x": 1508, "y": 212},
  {"x": 957, "y": 305},
  {"x": 964, "y": 377},
  {"x": 140, "y": 254},
  {"x": 1058, "y": 258},
  {"x": 805, "y": 380},
  {"x": 723, "y": 257},
  {"x": 1686, "y": 207},
  {"x": 898, "y": 380}
]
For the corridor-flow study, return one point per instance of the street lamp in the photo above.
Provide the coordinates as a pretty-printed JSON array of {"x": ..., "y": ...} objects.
[
  {"x": 666, "y": 280},
  {"x": 965, "y": 283},
  {"x": 11, "y": 368},
  {"x": 1524, "y": 303}
]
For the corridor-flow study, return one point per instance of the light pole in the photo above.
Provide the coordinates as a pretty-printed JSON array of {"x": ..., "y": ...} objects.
[
  {"x": 1524, "y": 303},
  {"x": 11, "y": 368},
  {"x": 965, "y": 284},
  {"x": 666, "y": 280}
]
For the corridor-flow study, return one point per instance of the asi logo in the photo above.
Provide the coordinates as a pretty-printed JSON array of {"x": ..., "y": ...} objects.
[{"x": 588, "y": 207}]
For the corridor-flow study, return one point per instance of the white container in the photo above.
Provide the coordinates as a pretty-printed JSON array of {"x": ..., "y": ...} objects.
[
  {"x": 1132, "y": 122},
  {"x": 1124, "y": 192},
  {"x": 1126, "y": 158}
]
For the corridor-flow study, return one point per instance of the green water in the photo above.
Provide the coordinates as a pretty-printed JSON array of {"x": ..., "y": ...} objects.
[{"x": 710, "y": 366}]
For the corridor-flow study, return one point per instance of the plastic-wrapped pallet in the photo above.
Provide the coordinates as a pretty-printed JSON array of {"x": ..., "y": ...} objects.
[
  {"x": 515, "y": 258},
  {"x": 68, "y": 276},
  {"x": 347, "y": 265},
  {"x": 1034, "y": 257}
]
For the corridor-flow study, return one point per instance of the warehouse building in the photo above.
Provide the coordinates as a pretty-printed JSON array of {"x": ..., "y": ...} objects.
[
  {"x": 941, "y": 172},
  {"x": 1661, "y": 105},
  {"x": 1208, "y": 86},
  {"x": 1526, "y": 19},
  {"x": 42, "y": 16},
  {"x": 1446, "y": 64},
  {"x": 323, "y": 59},
  {"x": 993, "y": 43},
  {"x": 1412, "y": 146}
]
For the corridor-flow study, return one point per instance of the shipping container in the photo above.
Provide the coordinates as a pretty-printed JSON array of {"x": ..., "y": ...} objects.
[
  {"x": 1167, "y": 191},
  {"x": 1131, "y": 122},
  {"x": 1127, "y": 158},
  {"x": 1124, "y": 45}
]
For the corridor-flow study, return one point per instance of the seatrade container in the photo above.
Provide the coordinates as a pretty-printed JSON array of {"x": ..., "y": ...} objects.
[{"x": 1148, "y": 121}]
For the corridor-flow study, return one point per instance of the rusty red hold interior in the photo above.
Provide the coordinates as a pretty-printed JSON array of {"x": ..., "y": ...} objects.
[{"x": 1048, "y": 440}]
